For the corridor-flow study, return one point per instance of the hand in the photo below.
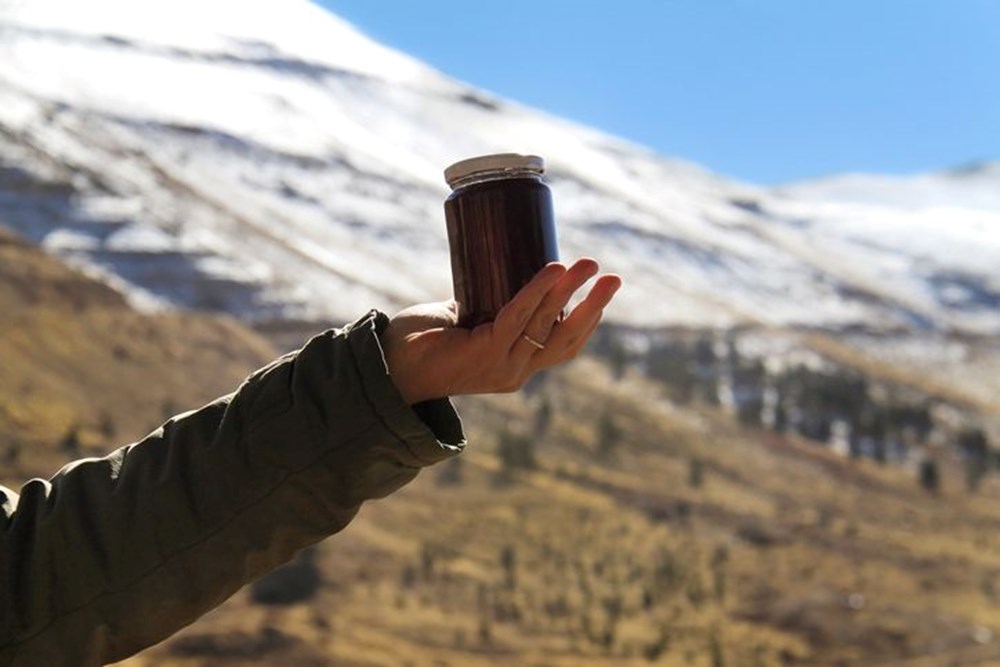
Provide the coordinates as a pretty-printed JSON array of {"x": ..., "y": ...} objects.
[{"x": 430, "y": 357}]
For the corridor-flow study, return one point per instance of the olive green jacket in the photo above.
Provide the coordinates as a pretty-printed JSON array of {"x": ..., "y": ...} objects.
[{"x": 114, "y": 554}]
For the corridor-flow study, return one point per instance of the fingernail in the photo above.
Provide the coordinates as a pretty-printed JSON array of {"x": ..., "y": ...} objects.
[{"x": 555, "y": 267}]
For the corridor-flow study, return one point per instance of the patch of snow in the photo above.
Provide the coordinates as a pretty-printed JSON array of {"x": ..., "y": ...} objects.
[
  {"x": 67, "y": 240},
  {"x": 140, "y": 238}
]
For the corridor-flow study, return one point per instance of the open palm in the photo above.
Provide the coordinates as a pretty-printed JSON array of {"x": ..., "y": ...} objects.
[{"x": 430, "y": 357}]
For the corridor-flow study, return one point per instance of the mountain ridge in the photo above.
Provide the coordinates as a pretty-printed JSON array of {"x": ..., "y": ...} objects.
[{"x": 281, "y": 165}]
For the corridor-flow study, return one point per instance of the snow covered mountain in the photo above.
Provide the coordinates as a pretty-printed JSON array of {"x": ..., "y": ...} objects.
[{"x": 266, "y": 159}]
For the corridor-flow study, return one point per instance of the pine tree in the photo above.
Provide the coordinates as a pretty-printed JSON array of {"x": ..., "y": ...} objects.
[
  {"x": 975, "y": 450},
  {"x": 543, "y": 416},
  {"x": 696, "y": 472},
  {"x": 930, "y": 478},
  {"x": 508, "y": 561},
  {"x": 608, "y": 436},
  {"x": 70, "y": 442},
  {"x": 516, "y": 452}
]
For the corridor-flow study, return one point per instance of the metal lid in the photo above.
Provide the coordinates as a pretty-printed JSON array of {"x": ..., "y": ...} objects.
[{"x": 501, "y": 164}]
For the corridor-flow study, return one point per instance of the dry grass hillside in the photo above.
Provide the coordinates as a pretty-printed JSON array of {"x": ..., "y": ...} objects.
[
  {"x": 593, "y": 521},
  {"x": 689, "y": 541},
  {"x": 80, "y": 371},
  {"x": 641, "y": 534}
]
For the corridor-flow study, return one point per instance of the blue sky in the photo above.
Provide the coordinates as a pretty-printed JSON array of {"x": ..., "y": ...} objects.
[{"x": 764, "y": 90}]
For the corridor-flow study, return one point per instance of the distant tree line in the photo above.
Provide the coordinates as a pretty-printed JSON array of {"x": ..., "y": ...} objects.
[{"x": 831, "y": 403}]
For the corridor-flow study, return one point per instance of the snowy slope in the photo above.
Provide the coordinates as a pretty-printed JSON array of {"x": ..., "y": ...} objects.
[{"x": 267, "y": 159}]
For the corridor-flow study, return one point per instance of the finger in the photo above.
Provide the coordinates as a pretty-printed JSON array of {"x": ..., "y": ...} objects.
[
  {"x": 572, "y": 352},
  {"x": 514, "y": 316},
  {"x": 572, "y": 333},
  {"x": 540, "y": 325},
  {"x": 533, "y": 340}
]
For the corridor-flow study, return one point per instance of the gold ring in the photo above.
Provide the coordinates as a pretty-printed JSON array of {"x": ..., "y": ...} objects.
[{"x": 540, "y": 346}]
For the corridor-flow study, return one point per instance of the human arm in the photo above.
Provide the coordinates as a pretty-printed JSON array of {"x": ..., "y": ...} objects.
[{"x": 115, "y": 554}]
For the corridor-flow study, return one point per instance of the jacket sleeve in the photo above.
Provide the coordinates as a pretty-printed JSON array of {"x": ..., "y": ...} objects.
[{"x": 115, "y": 554}]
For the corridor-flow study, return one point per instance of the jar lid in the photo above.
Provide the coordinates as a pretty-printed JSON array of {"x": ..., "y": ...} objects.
[{"x": 500, "y": 164}]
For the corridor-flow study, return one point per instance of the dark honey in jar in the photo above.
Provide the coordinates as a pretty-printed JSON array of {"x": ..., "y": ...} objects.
[{"x": 501, "y": 230}]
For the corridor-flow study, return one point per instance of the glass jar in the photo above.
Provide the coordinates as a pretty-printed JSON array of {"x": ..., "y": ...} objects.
[{"x": 501, "y": 230}]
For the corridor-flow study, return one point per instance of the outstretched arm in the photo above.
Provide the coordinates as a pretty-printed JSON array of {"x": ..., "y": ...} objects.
[{"x": 115, "y": 554}]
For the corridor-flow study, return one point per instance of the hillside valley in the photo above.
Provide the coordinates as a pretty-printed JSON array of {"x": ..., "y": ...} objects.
[
  {"x": 672, "y": 536},
  {"x": 595, "y": 519}
]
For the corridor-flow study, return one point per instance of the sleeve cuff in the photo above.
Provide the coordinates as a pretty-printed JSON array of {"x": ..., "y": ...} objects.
[{"x": 431, "y": 431}]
